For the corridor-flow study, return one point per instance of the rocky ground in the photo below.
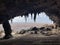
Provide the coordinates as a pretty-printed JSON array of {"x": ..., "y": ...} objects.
[
  {"x": 31, "y": 39},
  {"x": 28, "y": 37}
]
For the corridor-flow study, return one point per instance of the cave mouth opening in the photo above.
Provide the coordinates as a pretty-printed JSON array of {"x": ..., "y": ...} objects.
[
  {"x": 20, "y": 23},
  {"x": 40, "y": 18}
]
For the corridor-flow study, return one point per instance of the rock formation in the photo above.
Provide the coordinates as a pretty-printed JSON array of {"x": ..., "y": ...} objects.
[{"x": 12, "y": 8}]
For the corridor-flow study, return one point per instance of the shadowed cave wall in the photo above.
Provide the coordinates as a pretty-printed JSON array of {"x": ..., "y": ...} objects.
[{"x": 12, "y": 8}]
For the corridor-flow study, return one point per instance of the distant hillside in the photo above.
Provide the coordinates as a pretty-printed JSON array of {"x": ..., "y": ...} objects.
[{"x": 19, "y": 26}]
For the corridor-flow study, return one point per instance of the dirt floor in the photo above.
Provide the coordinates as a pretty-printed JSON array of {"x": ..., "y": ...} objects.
[{"x": 32, "y": 39}]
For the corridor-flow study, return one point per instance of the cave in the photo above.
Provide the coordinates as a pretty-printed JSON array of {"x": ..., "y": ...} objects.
[{"x": 12, "y": 8}]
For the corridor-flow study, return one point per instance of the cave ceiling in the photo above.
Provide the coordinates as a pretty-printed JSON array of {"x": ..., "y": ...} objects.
[{"x": 12, "y": 8}]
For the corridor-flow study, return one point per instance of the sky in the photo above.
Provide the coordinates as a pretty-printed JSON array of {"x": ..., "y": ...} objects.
[{"x": 41, "y": 18}]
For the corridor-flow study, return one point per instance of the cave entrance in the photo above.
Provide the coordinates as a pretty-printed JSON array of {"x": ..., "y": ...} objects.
[
  {"x": 24, "y": 23},
  {"x": 40, "y": 18}
]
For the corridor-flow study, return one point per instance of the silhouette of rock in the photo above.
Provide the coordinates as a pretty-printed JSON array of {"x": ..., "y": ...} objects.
[
  {"x": 45, "y": 31},
  {"x": 48, "y": 29},
  {"x": 22, "y": 32},
  {"x": 35, "y": 29},
  {"x": 42, "y": 28}
]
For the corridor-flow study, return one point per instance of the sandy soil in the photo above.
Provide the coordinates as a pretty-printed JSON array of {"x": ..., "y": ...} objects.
[
  {"x": 19, "y": 26},
  {"x": 32, "y": 39}
]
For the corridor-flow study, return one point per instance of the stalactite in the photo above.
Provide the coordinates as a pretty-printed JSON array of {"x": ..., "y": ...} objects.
[
  {"x": 11, "y": 20},
  {"x": 26, "y": 15},
  {"x": 25, "y": 18},
  {"x": 31, "y": 15},
  {"x": 34, "y": 16}
]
